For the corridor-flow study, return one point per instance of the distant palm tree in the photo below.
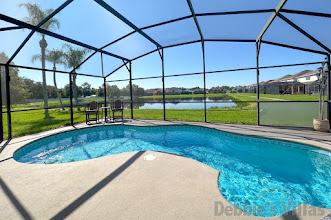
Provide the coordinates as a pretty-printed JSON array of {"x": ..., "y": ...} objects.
[
  {"x": 36, "y": 15},
  {"x": 74, "y": 57},
  {"x": 55, "y": 57}
]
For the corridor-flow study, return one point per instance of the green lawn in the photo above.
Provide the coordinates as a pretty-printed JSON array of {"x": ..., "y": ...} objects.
[
  {"x": 227, "y": 115},
  {"x": 35, "y": 121}
]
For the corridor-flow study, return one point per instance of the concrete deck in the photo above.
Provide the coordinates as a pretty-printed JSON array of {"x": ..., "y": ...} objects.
[{"x": 125, "y": 186}]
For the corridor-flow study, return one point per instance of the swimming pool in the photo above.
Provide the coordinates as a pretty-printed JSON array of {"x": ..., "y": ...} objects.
[{"x": 254, "y": 172}]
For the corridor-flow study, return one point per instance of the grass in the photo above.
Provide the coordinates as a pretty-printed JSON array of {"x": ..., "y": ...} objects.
[
  {"x": 35, "y": 121},
  {"x": 213, "y": 115}
]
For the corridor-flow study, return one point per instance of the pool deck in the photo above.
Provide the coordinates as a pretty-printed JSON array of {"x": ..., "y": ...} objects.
[{"x": 125, "y": 186}]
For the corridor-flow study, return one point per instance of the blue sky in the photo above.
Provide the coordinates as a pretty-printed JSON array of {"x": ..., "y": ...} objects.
[{"x": 86, "y": 21}]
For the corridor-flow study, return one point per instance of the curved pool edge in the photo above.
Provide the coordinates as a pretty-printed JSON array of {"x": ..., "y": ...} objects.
[
  {"x": 276, "y": 217},
  {"x": 317, "y": 148}
]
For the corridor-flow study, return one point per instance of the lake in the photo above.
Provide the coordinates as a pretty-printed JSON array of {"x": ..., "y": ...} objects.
[{"x": 184, "y": 103}]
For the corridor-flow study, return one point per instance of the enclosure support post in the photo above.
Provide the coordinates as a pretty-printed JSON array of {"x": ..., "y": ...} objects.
[
  {"x": 1, "y": 120},
  {"x": 163, "y": 87},
  {"x": 131, "y": 98},
  {"x": 8, "y": 101},
  {"x": 258, "y": 46},
  {"x": 105, "y": 94},
  {"x": 329, "y": 89},
  {"x": 70, "y": 96},
  {"x": 204, "y": 79},
  {"x": 104, "y": 86}
]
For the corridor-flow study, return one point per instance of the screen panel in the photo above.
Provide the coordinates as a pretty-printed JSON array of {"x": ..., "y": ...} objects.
[
  {"x": 153, "y": 11},
  {"x": 13, "y": 39},
  {"x": 120, "y": 74},
  {"x": 30, "y": 55},
  {"x": 238, "y": 26},
  {"x": 271, "y": 55},
  {"x": 294, "y": 114},
  {"x": 88, "y": 89},
  {"x": 319, "y": 6},
  {"x": 110, "y": 64},
  {"x": 228, "y": 55},
  {"x": 275, "y": 33},
  {"x": 131, "y": 46},
  {"x": 93, "y": 66},
  {"x": 231, "y": 97},
  {"x": 295, "y": 83},
  {"x": 314, "y": 26},
  {"x": 147, "y": 98},
  {"x": 88, "y": 22},
  {"x": 147, "y": 66},
  {"x": 183, "y": 59},
  {"x": 4, "y": 24},
  {"x": 184, "y": 98},
  {"x": 174, "y": 33},
  {"x": 18, "y": 10}
]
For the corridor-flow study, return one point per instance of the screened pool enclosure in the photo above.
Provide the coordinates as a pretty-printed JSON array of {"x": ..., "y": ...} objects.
[{"x": 239, "y": 61}]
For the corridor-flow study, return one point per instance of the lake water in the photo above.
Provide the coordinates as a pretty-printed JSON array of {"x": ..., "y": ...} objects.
[{"x": 184, "y": 103}]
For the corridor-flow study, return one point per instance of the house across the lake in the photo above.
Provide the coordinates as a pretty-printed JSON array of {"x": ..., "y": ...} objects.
[{"x": 303, "y": 82}]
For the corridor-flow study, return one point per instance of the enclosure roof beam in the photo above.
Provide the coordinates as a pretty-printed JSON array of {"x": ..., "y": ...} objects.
[
  {"x": 49, "y": 33},
  {"x": 51, "y": 15},
  {"x": 294, "y": 47},
  {"x": 122, "y": 18},
  {"x": 304, "y": 32},
  {"x": 307, "y": 13},
  {"x": 195, "y": 19},
  {"x": 271, "y": 19},
  {"x": 235, "y": 12},
  {"x": 10, "y": 28}
]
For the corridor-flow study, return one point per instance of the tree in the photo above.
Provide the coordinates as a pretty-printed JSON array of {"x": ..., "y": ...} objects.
[
  {"x": 73, "y": 58},
  {"x": 55, "y": 57},
  {"x": 18, "y": 90},
  {"x": 100, "y": 91},
  {"x": 36, "y": 15},
  {"x": 113, "y": 91},
  {"x": 86, "y": 89}
]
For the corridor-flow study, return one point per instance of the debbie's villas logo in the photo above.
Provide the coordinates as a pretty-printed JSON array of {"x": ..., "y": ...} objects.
[{"x": 268, "y": 210}]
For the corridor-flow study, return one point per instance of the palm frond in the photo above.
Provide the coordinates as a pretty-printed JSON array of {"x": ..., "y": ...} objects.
[
  {"x": 55, "y": 56},
  {"x": 36, "y": 15},
  {"x": 74, "y": 56},
  {"x": 36, "y": 57}
]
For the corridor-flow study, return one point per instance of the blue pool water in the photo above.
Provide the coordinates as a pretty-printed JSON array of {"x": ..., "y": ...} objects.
[{"x": 254, "y": 172}]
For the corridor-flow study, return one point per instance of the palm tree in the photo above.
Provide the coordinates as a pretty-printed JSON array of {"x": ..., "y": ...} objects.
[
  {"x": 36, "y": 15},
  {"x": 73, "y": 58},
  {"x": 55, "y": 57}
]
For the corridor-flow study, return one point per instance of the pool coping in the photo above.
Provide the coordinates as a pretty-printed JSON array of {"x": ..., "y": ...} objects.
[{"x": 306, "y": 137}]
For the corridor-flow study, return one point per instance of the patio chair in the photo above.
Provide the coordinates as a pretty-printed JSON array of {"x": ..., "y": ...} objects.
[
  {"x": 92, "y": 109},
  {"x": 117, "y": 106}
]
